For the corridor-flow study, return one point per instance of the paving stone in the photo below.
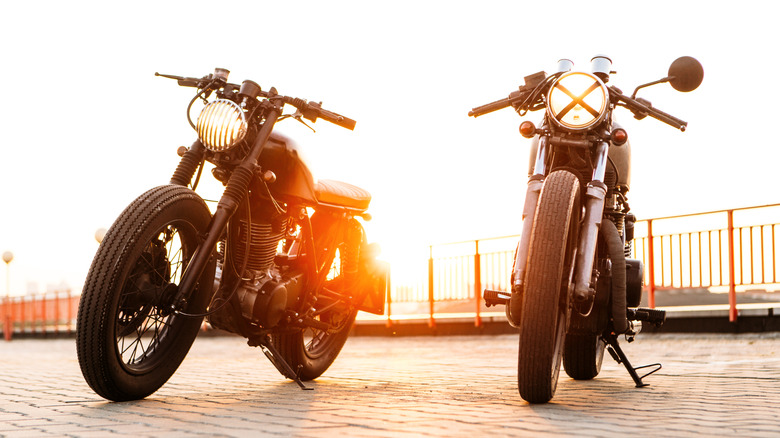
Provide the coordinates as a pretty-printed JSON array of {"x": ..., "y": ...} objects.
[{"x": 710, "y": 385}]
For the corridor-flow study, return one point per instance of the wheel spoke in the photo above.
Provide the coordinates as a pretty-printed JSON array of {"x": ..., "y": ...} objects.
[{"x": 139, "y": 309}]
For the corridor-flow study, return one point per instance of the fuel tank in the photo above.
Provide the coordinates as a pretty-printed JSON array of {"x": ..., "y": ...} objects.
[{"x": 294, "y": 181}]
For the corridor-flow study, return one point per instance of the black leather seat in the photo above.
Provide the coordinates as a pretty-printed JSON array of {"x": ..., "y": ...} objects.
[{"x": 342, "y": 194}]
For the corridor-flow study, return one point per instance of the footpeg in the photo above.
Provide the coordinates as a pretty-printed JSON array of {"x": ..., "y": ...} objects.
[
  {"x": 652, "y": 316},
  {"x": 495, "y": 297}
]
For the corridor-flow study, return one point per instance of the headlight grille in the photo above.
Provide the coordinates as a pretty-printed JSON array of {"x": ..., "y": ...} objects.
[
  {"x": 578, "y": 101},
  {"x": 221, "y": 125}
]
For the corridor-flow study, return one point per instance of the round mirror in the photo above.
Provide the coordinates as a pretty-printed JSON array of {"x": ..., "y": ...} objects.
[{"x": 685, "y": 74}]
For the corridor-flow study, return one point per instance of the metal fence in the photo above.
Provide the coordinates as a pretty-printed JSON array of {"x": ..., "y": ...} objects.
[
  {"x": 731, "y": 250},
  {"x": 710, "y": 250},
  {"x": 731, "y": 254},
  {"x": 48, "y": 313}
]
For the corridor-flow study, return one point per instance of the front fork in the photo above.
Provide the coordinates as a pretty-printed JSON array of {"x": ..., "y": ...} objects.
[{"x": 595, "y": 194}]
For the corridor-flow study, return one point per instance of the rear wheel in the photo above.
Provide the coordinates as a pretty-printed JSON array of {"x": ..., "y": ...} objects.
[
  {"x": 312, "y": 351},
  {"x": 582, "y": 355},
  {"x": 545, "y": 309},
  {"x": 129, "y": 340}
]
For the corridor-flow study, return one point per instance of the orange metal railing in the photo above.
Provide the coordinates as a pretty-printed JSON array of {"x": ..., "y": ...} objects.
[
  {"x": 703, "y": 250},
  {"x": 48, "y": 313},
  {"x": 731, "y": 250},
  {"x": 727, "y": 256}
]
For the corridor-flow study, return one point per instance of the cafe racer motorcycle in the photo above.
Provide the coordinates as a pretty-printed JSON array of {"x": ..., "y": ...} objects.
[
  {"x": 574, "y": 287},
  {"x": 283, "y": 260}
]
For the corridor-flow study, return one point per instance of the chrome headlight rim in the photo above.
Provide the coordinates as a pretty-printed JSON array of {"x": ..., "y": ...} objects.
[
  {"x": 589, "y": 94},
  {"x": 221, "y": 125}
]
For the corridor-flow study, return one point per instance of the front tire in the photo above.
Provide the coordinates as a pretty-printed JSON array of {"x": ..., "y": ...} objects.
[
  {"x": 129, "y": 341},
  {"x": 545, "y": 309}
]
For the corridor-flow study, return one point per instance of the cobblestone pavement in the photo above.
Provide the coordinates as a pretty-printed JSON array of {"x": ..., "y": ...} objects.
[{"x": 713, "y": 385}]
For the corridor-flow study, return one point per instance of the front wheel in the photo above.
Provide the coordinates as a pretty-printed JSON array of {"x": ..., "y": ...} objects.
[
  {"x": 545, "y": 309},
  {"x": 129, "y": 340}
]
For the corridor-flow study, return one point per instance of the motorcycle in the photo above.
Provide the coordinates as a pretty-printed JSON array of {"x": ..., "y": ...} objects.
[
  {"x": 574, "y": 286},
  {"x": 283, "y": 260}
]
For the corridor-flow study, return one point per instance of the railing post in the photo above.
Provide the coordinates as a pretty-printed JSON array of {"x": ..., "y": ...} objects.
[
  {"x": 732, "y": 280},
  {"x": 43, "y": 314},
  {"x": 22, "y": 316},
  {"x": 477, "y": 284},
  {"x": 56, "y": 311},
  {"x": 431, "y": 321},
  {"x": 7, "y": 318},
  {"x": 70, "y": 310},
  {"x": 389, "y": 293},
  {"x": 650, "y": 265}
]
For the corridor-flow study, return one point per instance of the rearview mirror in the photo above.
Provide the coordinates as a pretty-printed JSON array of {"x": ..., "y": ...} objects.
[{"x": 685, "y": 74}]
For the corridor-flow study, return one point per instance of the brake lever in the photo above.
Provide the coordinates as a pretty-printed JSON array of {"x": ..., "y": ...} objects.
[{"x": 297, "y": 115}]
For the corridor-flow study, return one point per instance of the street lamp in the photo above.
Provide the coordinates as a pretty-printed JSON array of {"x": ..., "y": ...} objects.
[
  {"x": 100, "y": 234},
  {"x": 8, "y": 256}
]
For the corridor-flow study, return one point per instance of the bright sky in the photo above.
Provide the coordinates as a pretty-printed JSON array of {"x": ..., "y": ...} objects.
[{"x": 87, "y": 126}]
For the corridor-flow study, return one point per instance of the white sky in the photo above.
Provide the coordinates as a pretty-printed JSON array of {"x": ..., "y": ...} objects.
[{"x": 86, "y": 126}]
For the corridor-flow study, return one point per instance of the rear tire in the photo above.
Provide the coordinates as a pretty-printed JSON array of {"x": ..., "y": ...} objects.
[
  {"x": 583, "y": 355},
  {"x": 129, "y": 342},
  {"x": 311, "y": 352},
  {"x": 546, "y": 301}
]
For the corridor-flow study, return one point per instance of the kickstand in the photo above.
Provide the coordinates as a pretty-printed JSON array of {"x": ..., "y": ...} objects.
[
  {"x": 273, "y": 355},
  {"x": 620, "y": 357}
]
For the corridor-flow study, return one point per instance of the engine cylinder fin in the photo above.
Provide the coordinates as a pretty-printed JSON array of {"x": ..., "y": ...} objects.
[{"x": 263, "y": 239}]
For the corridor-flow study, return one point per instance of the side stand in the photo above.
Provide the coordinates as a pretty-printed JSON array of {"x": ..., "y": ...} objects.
[
  {"x": 284, "y": 368},
  {"x": 620, "y": 357}
]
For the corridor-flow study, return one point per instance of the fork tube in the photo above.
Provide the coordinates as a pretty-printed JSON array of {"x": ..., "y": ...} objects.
[
  {"x": 188, "y": 164},
  {"x": 595, "y": 193},
  {"x": 234, "y": 193},
  {"x": 535, "y": 184}
]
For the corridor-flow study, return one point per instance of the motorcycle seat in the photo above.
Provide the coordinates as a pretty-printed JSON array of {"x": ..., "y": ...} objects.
[{"x": 342, "y": 194}]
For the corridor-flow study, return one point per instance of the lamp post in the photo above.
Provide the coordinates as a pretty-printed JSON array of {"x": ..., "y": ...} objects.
[
  {"x": 8, "y": 256},
  {"x": 99, "y": 234}
]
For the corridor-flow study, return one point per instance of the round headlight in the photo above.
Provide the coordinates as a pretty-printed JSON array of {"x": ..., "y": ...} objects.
[
  {"x": 221, "y": 125},
  {"x": 577, "y": 100}
]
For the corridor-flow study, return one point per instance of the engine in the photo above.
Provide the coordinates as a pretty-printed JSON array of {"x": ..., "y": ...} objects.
[{"x": 264, "y": 292}]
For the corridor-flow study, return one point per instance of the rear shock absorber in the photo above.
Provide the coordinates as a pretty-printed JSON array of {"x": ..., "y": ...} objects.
[{"x": 351, "y": 260}]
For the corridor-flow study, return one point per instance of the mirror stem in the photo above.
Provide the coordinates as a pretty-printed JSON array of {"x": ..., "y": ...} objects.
[{"x": 660, "y": 81}]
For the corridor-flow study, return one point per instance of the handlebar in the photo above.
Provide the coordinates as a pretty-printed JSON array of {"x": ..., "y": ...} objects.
[
  {"x": 310, "y": 110},
  {"x": 514, "y": 97},
  {"x": 313, "y": 110},
  {"x": 641, "y": 108}
]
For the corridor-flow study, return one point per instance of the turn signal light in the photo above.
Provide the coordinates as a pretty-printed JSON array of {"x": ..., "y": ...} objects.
[
  {"x": 619, "y": 136},
  {"x": 527, "y": 129}
]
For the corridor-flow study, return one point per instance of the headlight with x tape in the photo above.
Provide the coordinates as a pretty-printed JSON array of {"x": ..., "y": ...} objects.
[{"x": 578, "y": 101}]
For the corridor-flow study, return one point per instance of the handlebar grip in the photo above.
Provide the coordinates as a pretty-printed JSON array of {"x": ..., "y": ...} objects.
[
  {"x": 188, "y": 82},
  {"x": 338, "y": 119},
  {"x": 668, "y": 119},
  {"x": 490, "y": 107}
]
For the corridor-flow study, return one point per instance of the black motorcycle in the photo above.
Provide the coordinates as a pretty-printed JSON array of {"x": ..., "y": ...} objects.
[
  {"x": 574, "y": 286},
  {"x": 283, "y": 260}
]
